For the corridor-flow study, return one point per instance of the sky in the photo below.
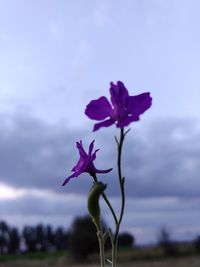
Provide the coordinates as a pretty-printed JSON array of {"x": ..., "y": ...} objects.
[{"x": 56, "y": 56}]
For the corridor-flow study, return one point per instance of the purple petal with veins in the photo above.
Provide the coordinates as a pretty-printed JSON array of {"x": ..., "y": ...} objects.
[{"x": 85, "y": 162}]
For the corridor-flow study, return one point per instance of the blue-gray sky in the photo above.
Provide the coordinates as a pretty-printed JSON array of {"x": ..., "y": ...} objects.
[{"x": 55, "y": 56}]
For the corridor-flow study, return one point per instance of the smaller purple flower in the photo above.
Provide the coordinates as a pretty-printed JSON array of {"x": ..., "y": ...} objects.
[
  {"x": 85, "y": 163},
  {"x": 124, "y": 109}
]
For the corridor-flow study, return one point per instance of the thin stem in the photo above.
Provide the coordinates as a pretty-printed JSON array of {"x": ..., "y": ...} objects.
[
  {"x": 107, "y": 202},
  {"x": 101, "y": 247},
  {"x": 100, "y": 232},
  {"x": 110, "y": 207},
  {"x": 121, "y": 183},
  {"x": 114, "y": 240}
]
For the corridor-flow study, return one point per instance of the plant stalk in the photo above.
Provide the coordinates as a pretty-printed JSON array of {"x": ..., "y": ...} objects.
[
  {"x": 121, "y": 183},
  {"x": 107, "y": 202},
  {"x": 101, "y": 247}
]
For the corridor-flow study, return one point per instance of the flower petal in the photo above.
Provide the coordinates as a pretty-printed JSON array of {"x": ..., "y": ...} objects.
[
  {"x": 93, "y": 157},
  {"x": 81, "y": 150},
  {"x": 69, "y": 178},
  {"x": 139, "y": 104},
  {"x": 80, "y": 166},
  {"x": 98, "y": 109},
  {"x": 91, "y": 148},
  {"x": 103, "y": 171},
  {"x": 118, "y": 93},
  {"x": 105, "y": 123},
  {"x": 125, "y": 122}
]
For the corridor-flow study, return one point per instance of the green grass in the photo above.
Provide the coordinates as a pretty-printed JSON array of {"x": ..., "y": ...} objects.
[
  {"x": 33, "y": 256},
  {"x": 137, "y": 257},
  {"x": 60, "y": 262}
]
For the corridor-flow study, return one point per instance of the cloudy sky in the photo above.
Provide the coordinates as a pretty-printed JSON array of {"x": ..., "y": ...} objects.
[{"x": 55, "y": 56}]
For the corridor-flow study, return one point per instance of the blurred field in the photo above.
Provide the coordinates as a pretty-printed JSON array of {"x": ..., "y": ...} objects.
[
  {"x": 137, "y": 257},
  {"x": 183, "y": 262}
]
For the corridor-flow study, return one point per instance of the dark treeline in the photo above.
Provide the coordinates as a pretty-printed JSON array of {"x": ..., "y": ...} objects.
[
  {"x": 32, "y": 238},
  {"x": 80, "y": 240}
]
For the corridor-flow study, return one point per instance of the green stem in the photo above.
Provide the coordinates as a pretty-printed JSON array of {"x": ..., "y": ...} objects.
[
  {"x": 114, "y": 240},
  {"x": 100, "y": 231},
  {"x": 107, "y": 202},
  {"x": 101, "y": 247},
  {"x": 121, "y": 183}
]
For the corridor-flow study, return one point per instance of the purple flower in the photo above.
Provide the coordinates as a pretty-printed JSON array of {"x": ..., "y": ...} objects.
[
  {"x": 85, "y": 163},
  {"x": 124, "y": 109}
]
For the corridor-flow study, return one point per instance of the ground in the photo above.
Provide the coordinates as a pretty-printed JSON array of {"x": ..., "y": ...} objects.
[
  {"x": 154, "y": 256},
  {"x": 181, "y": 262}
]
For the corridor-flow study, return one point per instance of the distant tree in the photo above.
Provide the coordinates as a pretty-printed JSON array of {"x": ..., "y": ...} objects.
[
  {"x": 14, "y": 240},
  {"x": 165, "y": 242},
  {"x": 83, "y": 238},
  {"x": 50, "y": 237},
  {"x": 41, "y": 238},
  {"x": 4, "y": 237},
  {"x": 125, "y": 240},
  {"x": 197, "y": 243},
  {"x": 61, "y": 239},
  {"x": 30, "y": 238}
]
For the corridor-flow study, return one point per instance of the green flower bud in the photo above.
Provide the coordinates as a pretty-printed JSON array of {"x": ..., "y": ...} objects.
[{"x": 93, "y": 202}]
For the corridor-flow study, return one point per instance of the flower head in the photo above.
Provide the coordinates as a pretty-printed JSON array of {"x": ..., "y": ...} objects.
[
  {"x": 85, "y": 162},
  {"x": 124, "y": 109}
]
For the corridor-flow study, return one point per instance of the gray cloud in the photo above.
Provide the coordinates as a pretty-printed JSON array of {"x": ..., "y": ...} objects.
[
  {"x": 33, "y": 153},
  {"x": 143, "y": 217},
  {"x": 169, "y": 160},
  {"x": 162, "y": 159},
  {"x": 46, "y": 205}
]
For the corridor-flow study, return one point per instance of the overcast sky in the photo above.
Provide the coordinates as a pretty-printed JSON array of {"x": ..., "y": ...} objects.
[{"x": 55, "y": 56}]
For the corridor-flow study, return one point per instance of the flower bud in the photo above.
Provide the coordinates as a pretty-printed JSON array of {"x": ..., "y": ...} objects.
[{"x": 93, "y": 202}]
